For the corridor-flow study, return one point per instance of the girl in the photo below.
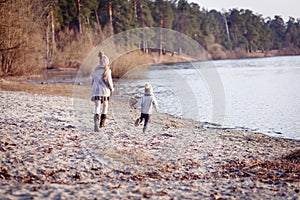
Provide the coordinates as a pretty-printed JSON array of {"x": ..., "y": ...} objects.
[{"x": 102, "y": 88}]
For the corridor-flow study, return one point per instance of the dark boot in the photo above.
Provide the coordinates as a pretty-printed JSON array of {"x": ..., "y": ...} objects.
[
  {"x": 144, "y": 129},
  {"x": 96, "y": 122},
  {"x": 102, "y": 122},
  {"x": 137, "y": 122}
]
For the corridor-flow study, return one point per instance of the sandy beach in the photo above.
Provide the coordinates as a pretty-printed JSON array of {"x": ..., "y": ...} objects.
[{"x": 48, "y": 150}]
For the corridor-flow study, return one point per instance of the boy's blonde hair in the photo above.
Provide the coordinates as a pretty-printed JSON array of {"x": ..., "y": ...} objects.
[{"x": 148, "y": 89}]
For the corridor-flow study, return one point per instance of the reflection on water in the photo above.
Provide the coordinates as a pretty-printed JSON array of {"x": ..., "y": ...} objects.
[{"x": 59, "y": 76}]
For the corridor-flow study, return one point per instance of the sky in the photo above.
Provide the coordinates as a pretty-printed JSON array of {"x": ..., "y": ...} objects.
[{"x": 266, "y": 8}]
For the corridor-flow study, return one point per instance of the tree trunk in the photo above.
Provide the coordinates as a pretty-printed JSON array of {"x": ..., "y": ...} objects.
[
  {"x": 99, "y": 25},
  {"x": 160, "y": 35},
  {"x": 79, "y": 21},
  {"x": 53, "y": 31},
  {"x": 48, "y": 43},
  {"x": 134, "y": 9},
  {"x": 110, "y": 12},
  {"x": 142, "y": 15},
  {"x": 97, "y": 17},
  {"x": 226, "y": 26}
]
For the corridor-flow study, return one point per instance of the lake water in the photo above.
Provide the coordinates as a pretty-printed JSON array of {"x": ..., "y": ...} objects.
[{"x": 260, "y": 95}]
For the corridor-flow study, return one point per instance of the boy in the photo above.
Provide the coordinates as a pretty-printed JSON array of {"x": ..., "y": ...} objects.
[{"x": 146, "y": 102}]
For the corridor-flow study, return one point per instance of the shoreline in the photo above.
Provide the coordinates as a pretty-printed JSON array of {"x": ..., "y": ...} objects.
[
  {"x": 70, "y": 89},
  {"x": 49, "y": 150}
]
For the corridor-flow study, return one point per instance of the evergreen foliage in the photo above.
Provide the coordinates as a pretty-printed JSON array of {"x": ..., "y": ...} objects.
[
  {"x": 246, "y": 30},
  {"x": 67, "y": 25}
]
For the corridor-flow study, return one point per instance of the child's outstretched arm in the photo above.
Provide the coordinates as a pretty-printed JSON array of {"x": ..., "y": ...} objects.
[
  {"x": 155, "y": 104},
  {"x": 137, "y": 104},
  {"x": 110, "y": 82}
]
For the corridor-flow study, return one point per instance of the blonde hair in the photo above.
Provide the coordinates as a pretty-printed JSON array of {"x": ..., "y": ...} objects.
[
  {"x": 147, "y": 85},
  {"x": 105, "y": 74},
  {"x": 104, "y": 61},
  {"x": 148, "y": 89}
]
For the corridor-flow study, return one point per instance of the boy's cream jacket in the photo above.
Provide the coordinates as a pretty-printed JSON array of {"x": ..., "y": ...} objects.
[{"x": 147, "y": 103}]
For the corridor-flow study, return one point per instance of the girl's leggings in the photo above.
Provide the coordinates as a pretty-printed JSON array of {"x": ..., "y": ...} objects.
[{"x": 101, "y": 106}]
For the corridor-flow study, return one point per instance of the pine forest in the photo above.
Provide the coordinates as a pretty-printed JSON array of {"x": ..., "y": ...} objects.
[{"x": 41, "y": 34}]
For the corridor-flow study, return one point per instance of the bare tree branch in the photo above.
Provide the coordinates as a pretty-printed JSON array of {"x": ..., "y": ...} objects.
[{"x": 11, "y": 48}]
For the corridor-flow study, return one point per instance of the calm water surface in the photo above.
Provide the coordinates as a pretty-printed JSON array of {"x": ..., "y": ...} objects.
[{"x": 256, "y": 94}]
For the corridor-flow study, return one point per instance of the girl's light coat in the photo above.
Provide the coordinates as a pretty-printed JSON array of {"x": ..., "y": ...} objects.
[{"x": 99, "y": 87}]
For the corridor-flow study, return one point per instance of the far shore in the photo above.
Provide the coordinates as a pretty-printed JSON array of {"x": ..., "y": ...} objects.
[{"x": 126, "y": 63}]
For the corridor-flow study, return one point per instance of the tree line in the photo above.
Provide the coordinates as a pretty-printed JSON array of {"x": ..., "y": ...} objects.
[{"x": 38, "y": 34}]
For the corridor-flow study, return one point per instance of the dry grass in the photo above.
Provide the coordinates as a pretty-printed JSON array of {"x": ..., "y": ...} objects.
[
  {"x": 217, "y": 51},
  {"x": 45, "y": 89},
  {"x": 129, "y": 61},
  {"x": 137, "y": 61}
]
